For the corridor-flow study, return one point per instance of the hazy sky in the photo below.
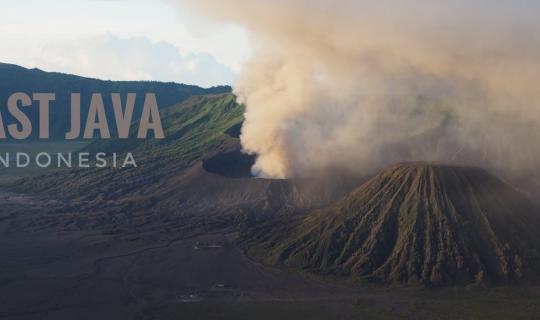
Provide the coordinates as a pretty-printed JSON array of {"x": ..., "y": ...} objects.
[{"x": 120, "y": 40}]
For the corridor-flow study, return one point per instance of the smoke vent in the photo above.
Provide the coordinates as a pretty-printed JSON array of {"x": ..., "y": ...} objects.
[{"x": 234, "y": 164}]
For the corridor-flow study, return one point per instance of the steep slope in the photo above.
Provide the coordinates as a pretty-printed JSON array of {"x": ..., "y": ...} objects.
[
  {"x": 195, "y": 176},
  {"x": 415, "y": 223},
  {"x": 194, "y": 129},
  {"x": 14, "y": 78}
]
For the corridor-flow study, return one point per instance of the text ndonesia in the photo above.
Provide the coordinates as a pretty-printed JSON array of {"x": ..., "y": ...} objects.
[{"x": 95, "y": 126}]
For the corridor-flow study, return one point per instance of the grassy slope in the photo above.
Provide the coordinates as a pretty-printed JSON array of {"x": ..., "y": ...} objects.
[
  {"x": 191, "y": 129},
  {"x": 194, "y": 129}
]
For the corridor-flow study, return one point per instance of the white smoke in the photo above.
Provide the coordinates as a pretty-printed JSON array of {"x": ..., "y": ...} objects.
[{"x": 361, "y": 84}]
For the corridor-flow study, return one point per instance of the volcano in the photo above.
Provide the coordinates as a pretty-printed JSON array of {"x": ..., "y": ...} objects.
[{"x": 415, "y": 223}]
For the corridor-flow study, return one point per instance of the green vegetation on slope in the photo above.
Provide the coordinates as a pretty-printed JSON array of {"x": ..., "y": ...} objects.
[
  {"x": 191, "y": 128},
  {"x": 194, "y": 129}
]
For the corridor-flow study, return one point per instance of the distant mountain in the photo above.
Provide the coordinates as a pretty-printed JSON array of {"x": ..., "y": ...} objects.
[
  {"x": 416, "y": 223},
  {"x": 14, "y": 78}
]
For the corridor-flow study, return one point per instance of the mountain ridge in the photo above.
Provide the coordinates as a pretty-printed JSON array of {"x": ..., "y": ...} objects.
[{"x": 14, "y": 78}]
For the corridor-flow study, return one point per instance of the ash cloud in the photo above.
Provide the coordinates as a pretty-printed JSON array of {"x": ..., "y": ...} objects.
[{"x": 361, "y": 84}]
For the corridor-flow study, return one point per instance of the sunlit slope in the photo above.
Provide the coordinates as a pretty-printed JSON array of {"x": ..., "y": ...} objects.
[{"x": 191, "y": 128}]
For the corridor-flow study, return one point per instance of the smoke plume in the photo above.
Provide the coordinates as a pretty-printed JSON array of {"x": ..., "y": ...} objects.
[{"x": 364, "y": 83}]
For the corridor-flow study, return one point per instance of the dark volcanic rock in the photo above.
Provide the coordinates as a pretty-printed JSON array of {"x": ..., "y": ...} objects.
[{"x": 427, "y": 224}]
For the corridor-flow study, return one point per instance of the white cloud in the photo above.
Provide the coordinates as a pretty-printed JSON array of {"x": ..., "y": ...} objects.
[
  {"x": 68, "y": 36},
  {"x": 115, "y": 58}
]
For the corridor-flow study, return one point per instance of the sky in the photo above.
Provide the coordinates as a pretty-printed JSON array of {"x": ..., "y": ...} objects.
[{"x": 121, "y": 40}]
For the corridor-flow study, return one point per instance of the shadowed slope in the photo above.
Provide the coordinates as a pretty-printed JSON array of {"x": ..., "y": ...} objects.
[{"x": 418, "y": 223}]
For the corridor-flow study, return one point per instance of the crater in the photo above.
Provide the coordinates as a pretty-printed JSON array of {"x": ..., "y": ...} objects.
[{"x": 233, "y": 164}]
